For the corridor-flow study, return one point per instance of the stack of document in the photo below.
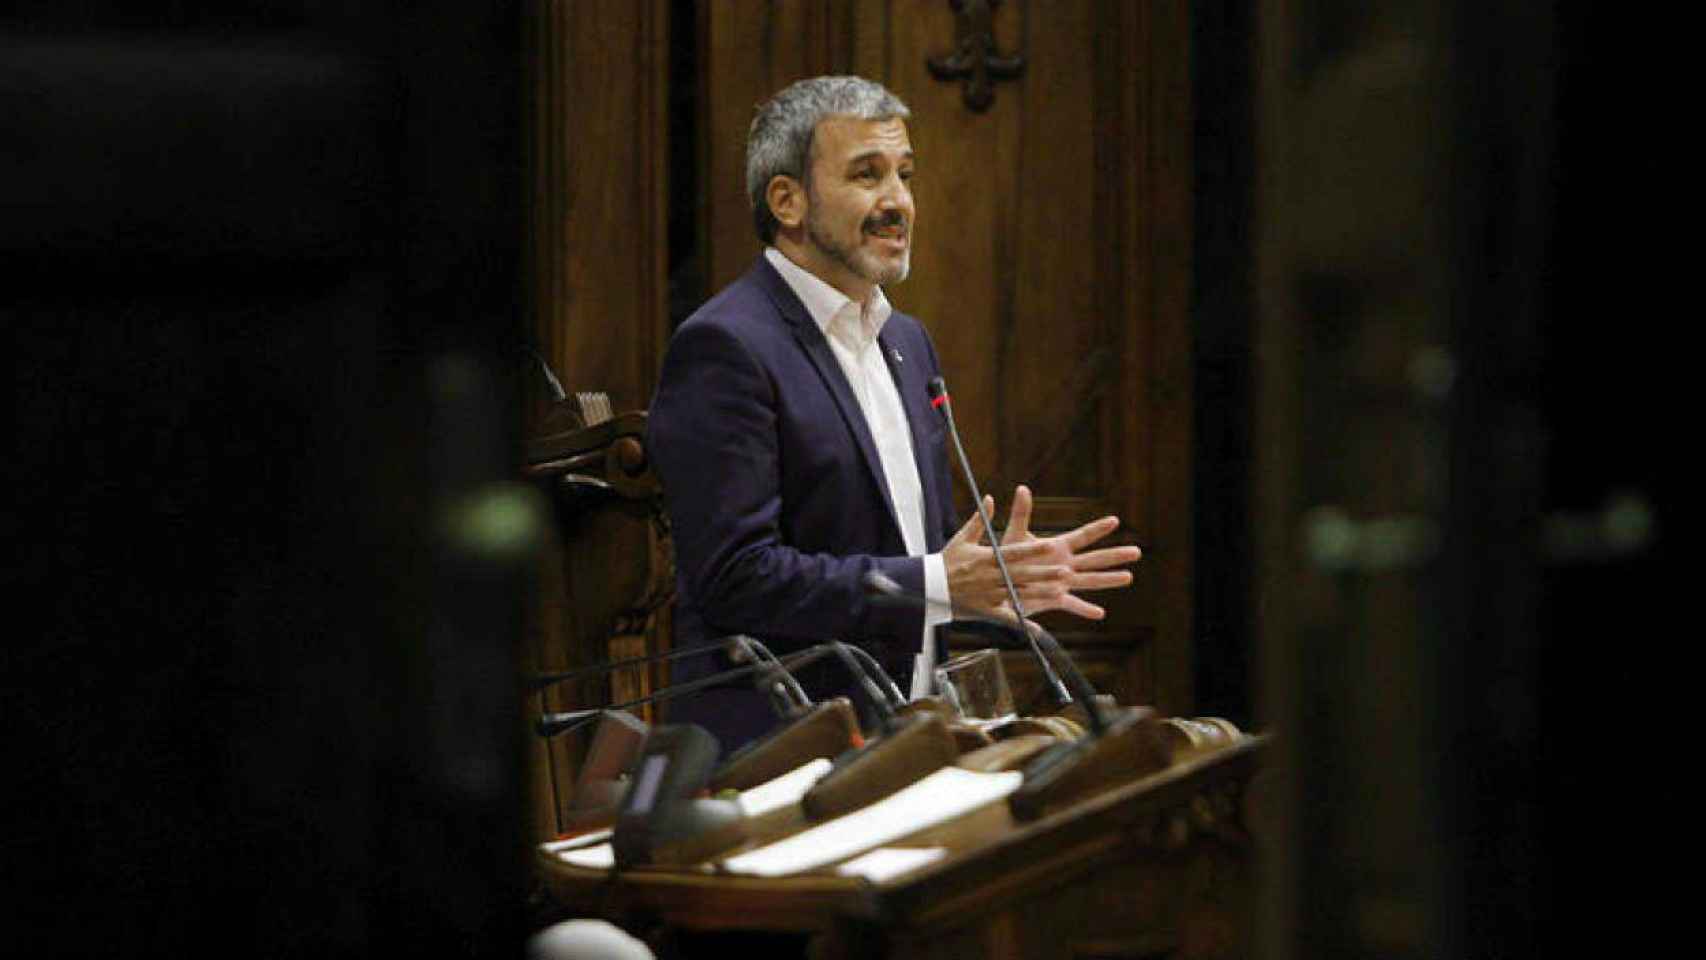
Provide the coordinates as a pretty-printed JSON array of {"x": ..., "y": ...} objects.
[
  {"x": 942, "y": 796},
  {"x": 938, "y": 798}
]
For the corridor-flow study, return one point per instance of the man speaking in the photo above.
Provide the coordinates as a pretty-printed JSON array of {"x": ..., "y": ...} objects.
[{"x": 793, "y": 432}]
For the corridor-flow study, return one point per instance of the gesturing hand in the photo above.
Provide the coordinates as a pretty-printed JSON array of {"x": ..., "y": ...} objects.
[{"x": 1047, "y": 571}]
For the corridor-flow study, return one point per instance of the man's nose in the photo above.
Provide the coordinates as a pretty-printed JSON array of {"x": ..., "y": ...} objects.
[{"x": 896, "y": 195}]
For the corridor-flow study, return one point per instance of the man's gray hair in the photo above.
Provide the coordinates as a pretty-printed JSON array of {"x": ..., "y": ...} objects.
[{"x": 780, "y": 141}]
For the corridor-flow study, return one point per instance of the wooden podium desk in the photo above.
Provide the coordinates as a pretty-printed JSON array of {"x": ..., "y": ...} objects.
[{"x": 1158, "y": 867}]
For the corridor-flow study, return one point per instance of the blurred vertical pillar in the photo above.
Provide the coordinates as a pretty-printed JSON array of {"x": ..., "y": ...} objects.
[{"x": 1403, "y": 153}]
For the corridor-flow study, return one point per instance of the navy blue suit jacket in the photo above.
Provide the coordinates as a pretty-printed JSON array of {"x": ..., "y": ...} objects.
[{"x": 776, "y": 495}]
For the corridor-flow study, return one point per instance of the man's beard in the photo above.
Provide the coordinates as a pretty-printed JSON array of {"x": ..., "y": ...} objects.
[{"x": 861, "y": 263}]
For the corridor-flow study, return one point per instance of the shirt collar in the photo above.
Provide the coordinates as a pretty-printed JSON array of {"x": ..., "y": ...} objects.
[{"x": 826, "y": 304}]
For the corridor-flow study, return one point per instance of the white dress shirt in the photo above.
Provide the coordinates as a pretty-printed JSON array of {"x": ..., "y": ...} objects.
[{"x": 851, "y": 329}]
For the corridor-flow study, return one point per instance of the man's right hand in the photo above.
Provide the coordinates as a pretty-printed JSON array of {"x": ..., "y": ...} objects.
[{"x": 1047, "y": 571}]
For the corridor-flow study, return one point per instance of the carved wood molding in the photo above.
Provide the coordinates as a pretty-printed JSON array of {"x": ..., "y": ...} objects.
[{"x": 975, "y": 59}]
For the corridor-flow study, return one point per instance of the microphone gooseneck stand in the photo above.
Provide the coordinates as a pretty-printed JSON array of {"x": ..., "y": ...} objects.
[{"x": 939, "y": 400}]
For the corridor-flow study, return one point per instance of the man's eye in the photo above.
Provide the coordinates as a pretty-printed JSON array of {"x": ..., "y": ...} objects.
[{"x": 906, "y": 174}]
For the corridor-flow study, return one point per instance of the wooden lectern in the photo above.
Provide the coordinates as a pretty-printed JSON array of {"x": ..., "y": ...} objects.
[
  {"x": 1160, "y": 866},
  {"x": 1153, "y": 859}
]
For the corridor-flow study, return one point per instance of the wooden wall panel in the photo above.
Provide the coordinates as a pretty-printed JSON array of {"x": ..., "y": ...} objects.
[
  {"x": 1055, "y": 324},
  {"x": 967, "y": 222},
  {"x": 748, "y": 52},
  {"x": 601, "y": 182},
  {"x": 599, "y": 174},
  {"x": 1051, "y": 263}
]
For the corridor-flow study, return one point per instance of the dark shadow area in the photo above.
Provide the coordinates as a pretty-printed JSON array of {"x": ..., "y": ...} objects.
[
  {"x": 1608, "y": 673},
  {"x": 1223, "y": 313},
  {"x": 686, "y": 194},
  {"x": 259, "y": 347},
  {"x": 1560, "y": 683}
]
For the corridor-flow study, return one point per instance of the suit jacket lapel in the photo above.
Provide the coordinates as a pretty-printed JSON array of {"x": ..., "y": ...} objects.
[
  {"x": 822, "y": 356},
  {"x": 915, "y": 400}
]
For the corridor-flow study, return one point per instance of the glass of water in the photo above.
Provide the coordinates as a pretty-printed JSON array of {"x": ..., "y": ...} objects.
[{"x": 975, "y": 685}]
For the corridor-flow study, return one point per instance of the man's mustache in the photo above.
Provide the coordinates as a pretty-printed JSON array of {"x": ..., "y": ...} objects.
[{"x": 893, "y": 218}]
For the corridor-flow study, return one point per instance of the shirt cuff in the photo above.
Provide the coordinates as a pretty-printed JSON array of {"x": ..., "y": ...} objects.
[{"x": 937, "y": 611}]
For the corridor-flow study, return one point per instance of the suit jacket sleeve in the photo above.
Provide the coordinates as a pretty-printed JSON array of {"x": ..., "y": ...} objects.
[{"x": 713, "y": 437}]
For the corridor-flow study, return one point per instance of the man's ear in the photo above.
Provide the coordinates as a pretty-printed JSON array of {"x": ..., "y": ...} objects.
[{"x": 787, "y": 199}]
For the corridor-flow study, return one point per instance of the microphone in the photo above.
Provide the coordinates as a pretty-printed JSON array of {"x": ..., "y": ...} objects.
[
  {"x": 877, "y": 673},
  {"x": 784, "y": 686},
  {"x": 787, "y": 696},
  {"x": 981, "y": 621},
  {"x": 544, "y": 680},
  {"x": 823, "y": 730},
  {"x": 880, "y": 705},
  {"x": 829, "y": 730},
  {"x": 910, "y": 748},
  {"x": 939, "y": 400},
  {"x": 916, "y": 746},
  {"x": 552, "y": 724},
  {"x": 1114, "y": 750}
]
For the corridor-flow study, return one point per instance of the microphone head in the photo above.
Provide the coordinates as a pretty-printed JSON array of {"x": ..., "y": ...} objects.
[{"x": 938, "y": 387}]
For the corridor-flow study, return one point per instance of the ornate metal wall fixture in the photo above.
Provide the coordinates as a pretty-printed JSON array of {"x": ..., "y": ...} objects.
[{"x": 975, "y": 59}]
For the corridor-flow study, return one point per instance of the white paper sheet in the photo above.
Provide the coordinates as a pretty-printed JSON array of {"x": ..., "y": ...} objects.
[
  {"x": 599, "y": 857},
  {"x": 594, "y": 852},
  {"x": 886, "y": 862},
  {"x": 938, "y": 798},
  {"x": 784, "y": 790},
  {"x": 584, "y": 840}
]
